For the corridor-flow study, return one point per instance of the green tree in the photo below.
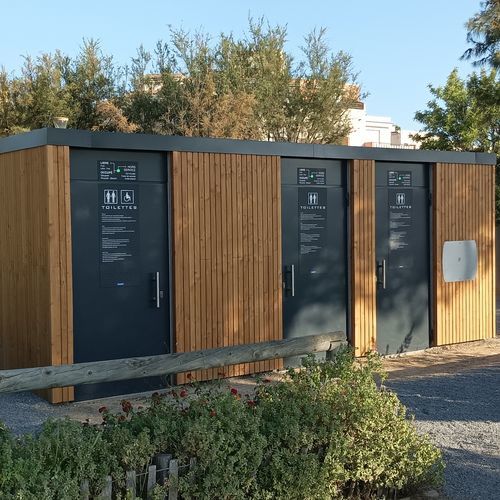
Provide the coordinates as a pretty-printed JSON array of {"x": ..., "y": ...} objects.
[
  {"x": 193, "y": 85},
  {"x": 34, "y": 98},
  {"x": 464, "y": 115},
  {"x": 304, "y": 101},
  {"x": 483, "y": 32},
  {"x": 89, "y": 79},
  {"x": 8, "y": 110},
  {"x": 143, "y": 102},
  {"x": 248, "y": 88},
  {"x": 84, "y": 89}
]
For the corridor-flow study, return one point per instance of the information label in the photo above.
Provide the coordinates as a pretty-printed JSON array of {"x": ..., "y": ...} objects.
[
  {"x": 400, "y": 228},
  {"x": 399, "y": 178},
  {"x": 311, "y": 176},
  {"x": 312, "y": 227},
  {"x": 119, "y": 235},
  {"x": 117, "y": 170}
]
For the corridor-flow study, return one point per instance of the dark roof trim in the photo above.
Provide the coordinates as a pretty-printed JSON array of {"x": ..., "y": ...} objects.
[{"x": 143, "y": 142}]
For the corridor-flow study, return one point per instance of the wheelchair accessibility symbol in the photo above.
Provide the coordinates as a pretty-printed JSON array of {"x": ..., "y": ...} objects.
[{"x": 127, "y": 196}]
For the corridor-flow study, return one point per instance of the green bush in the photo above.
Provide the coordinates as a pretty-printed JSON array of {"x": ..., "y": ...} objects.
[
  {"x": 5, "y": 457},
  {"x": 52, "y": 464},
  {"x": 329, "y": 431},
  {"x": 334, "y": 433}
]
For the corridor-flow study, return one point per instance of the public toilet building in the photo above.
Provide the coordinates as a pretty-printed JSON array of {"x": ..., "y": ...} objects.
[{"x": 122, "y": 245}]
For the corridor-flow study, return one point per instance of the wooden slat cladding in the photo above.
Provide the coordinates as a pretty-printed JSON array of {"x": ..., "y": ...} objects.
[
  {"x": 362, "y": 245},
  {"x": 464, "y": 209},
  {"x": 226, "y": 254},
  {"x": 61, "y": 284},
  {"x": 35, "y": 261}
]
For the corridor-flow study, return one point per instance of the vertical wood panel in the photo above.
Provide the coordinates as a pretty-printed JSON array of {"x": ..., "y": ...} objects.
[
  {"x": 464, "y": 210},
  {"x": 227, "y": 226},
  {"x": 36, "y": 315},
  {"x": 246, "y": 260},
  {"x": 362, "y": 229}
]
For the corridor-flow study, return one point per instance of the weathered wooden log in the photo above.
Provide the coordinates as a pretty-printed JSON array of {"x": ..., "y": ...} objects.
[{"x": 28, "y": 379}]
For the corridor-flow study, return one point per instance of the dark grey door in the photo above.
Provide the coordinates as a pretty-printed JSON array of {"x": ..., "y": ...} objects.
[
  {"x": 314, "y": 247},
  {"x": 403, "y": 258},
  {"x": 120, "y": 261}
]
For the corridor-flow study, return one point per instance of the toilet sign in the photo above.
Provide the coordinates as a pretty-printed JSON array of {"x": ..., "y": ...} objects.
[
  {"x": 401, "y": 230},
  {"x": 119, "y": 235},
  {"x": 312, "y": 198},
  {"x": 110, "y": 196},
  {"x": 312, "y": 227}
]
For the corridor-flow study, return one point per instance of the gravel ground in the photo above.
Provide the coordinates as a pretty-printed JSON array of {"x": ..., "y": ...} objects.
[
  {"x": 454, "y": 393},
  {"x": 25, "y": 412},
  {"x": 461, "y": 413}
]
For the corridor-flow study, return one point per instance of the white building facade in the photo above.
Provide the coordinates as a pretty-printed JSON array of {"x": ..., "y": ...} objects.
[{"x": 377, "y": 131}]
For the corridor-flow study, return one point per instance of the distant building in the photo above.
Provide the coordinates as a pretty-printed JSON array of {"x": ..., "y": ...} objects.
[{"x": 377, "y": 131}]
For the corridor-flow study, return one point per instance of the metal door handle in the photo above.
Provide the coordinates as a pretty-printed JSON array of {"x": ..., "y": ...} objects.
[
  {"x": 381, "y": 281},
  {"x": 156, "y": 292},
  {"x": 289, "y": 279},
  {"x": 158, "y": 289}
]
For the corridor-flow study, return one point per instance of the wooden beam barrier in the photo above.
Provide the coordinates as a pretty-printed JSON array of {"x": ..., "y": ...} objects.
[{"x": 29, "y": 379}]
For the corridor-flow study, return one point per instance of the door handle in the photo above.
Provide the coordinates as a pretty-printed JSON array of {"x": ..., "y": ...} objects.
[
  {"x": 381, "y": 275},
  {"x": 289, "y": 283},
  {"x": 156, "y": 289}
]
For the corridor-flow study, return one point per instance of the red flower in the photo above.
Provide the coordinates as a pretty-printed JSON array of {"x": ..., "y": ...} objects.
[
  {"x": 126, "y": 406},
  {"x": 183, "y": 393},
  {"x": 213, "y": 413},
  {"x": 103, "y": 409},
  {"x": 234, "y": 391},
  {"x": 251, "y": 403}
]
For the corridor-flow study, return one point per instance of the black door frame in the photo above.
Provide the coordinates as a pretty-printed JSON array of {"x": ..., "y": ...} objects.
[
  {"x": 430, "y": 168},
  {"x": 165, "y": 162},
  {"x": 345, "y": 186}
]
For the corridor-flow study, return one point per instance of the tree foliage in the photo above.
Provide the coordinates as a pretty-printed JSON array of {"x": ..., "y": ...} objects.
[
  {"x": 483, "y": 32},
  {"x": 192, "y": 85},
  {"x": 464, "y": 115},
  {"x": 85, "y": 89}
]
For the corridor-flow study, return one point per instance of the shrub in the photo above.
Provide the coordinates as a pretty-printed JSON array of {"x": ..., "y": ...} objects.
[
  {"x": 329, "y": 431},
  {"x": 333, "y": 432},
  {"x": 52, "y": 464},
  {"x": 216, "y": 428},
  {"x": 5, "y": 458}
]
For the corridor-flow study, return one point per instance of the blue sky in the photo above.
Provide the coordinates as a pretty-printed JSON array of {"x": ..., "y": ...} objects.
[{"x": 397, "y": 46}]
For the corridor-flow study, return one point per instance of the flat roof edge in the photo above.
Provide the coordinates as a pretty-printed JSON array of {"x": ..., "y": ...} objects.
[
  {"x": 26, "y": 140},
  {"x": 147, "y": 142}
]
